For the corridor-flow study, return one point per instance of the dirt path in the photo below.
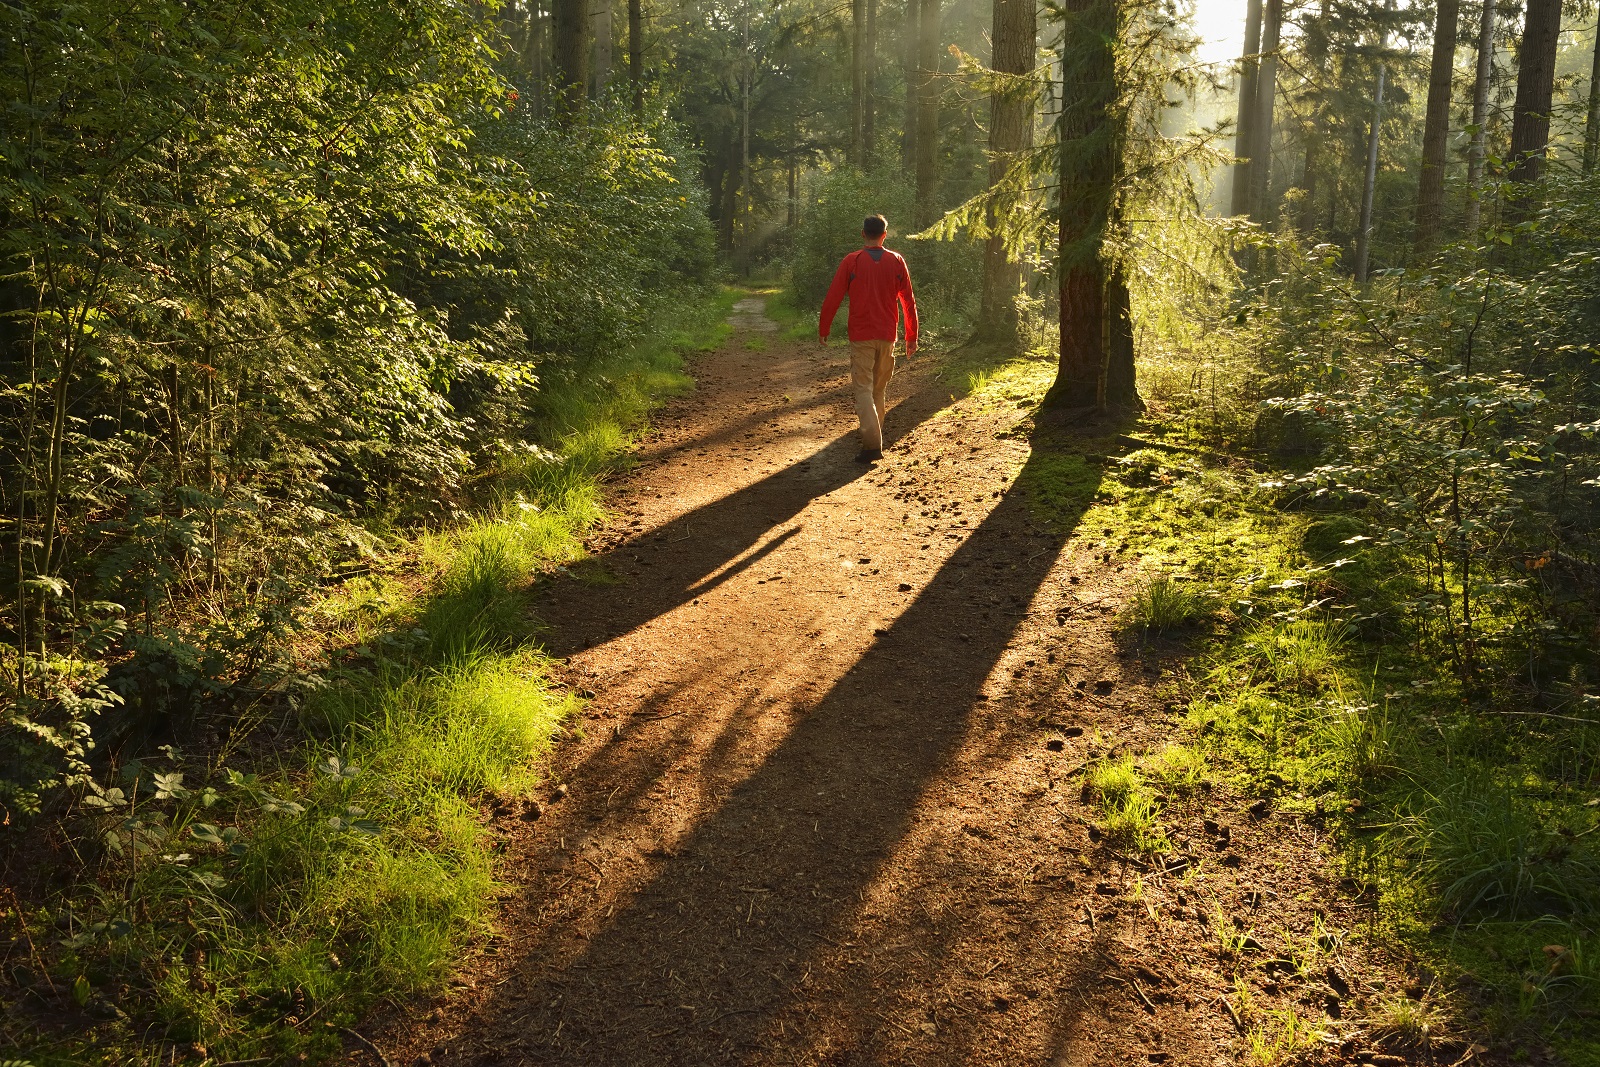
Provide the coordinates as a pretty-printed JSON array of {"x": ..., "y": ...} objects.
[{"x": 823, "y": 807}]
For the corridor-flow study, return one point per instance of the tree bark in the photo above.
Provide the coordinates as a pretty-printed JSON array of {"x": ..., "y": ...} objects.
[
  {"x": 636, "y": 53},
  {"x": 570, "y": 29},
  {"x": 858, "y": 81},
  {"x": 908, "y": 137},
  {"x": 1536, "y": 79},
  {"x": 1087, "y": 163},
  {"x": 600, "y": 24},
  {"x": 1591, "y": 128},
  {"x": 1478, "y": 150},
  {"x": 1314, "y": 38},
  {"x": 536, "y": 47},
  {"x": 869, "y": 109},
  {"x": 746, "y": 91},
  {"x": 1015, "y": 33},
  {"x": 794, "y": 202},
  {"x": 1266, "y": 103},
  {"x": 1243, "y": 142},
  {"x": 1369, "y": 183},
  {"x": 927, "y": 163},
  {"x": 1436, "y": 129}
]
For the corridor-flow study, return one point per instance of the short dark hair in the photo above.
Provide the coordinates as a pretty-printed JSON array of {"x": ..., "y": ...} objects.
[{"x": 875, "y": 226}]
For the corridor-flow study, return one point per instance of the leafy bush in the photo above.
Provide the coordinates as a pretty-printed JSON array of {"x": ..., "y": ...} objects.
[{"x": 234, "y": 358}]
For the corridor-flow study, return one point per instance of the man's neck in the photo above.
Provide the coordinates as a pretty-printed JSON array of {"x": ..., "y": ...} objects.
[{"x": 874, "y": 244}]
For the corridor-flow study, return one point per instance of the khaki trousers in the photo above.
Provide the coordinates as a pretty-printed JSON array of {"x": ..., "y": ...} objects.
[{"x": 871, "y": 366}]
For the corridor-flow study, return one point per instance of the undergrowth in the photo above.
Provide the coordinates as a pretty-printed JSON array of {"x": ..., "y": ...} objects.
[
  {"x": 250, "y": 902},
  {"x": 1471, "y": 823}
]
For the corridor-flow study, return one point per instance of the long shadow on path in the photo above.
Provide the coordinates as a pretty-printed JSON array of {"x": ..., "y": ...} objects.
[
  {"x": 691, "y": 554},
  {"x": 698, "y": 965}
]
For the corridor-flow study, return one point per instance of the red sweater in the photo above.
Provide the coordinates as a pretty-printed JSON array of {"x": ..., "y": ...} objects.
[{"x": 879, "y": 286}]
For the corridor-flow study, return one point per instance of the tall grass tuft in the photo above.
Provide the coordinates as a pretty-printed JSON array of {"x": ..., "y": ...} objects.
[{"x": 1163, "y": 603}]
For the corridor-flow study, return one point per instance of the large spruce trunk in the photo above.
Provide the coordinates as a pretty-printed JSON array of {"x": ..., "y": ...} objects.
[
  {"x": 1243, "y": 142},
  {"x": 1536, "y": 78},
  {"x": 928, "y": 89},
  {"x": 570, "y": 30},
  {"x": 1259, "y": 207},
  {"x": 1436, "y": 129},
  {"x": 1015, "y": 31},
  {"x": 1096, "y": 363}
]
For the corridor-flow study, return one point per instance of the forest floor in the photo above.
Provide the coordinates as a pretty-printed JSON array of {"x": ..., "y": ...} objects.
[{"x": 826, "y": 803}]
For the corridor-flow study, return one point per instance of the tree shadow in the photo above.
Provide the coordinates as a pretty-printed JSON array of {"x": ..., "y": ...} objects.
[
  {"x": 699, "y": 550},
  {"x": 700, "y": 962}
]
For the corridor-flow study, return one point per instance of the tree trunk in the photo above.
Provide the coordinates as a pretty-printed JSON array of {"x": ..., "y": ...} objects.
[
  {"x": 1436, "y": 129},
  {"x": 858, "y": 81},
  {"x": 730, "y": 203},
  {"x": 869, "y": 107},
  {"x": 1015, "y": 32},
  {"x": 600, "y": 25},
  {"x": 1536, "y": 78},
  {"x": 1478, "y": 150},
  {"x": 746, "y": 89},
  {"x": 1369, "y": 184},
  {"x": 927, "y": 163},
  {"x": 536, "y": 66},
  {"x": 794, "y": 202},
  {"x": 636, "y": 54},
  {"x": 1266, "y": 103},
  {"x": 1314, "y": 36},
  {"x": 571, "y": 33},
  {"x": 1120, "y": 385},
  {"x": 908, "y": 137},
  {"x": 1087, "y": 164},
  {"x": 1591, "y": 129},
  {"x": 1308, "y": 178},
  {"x": 1243, "y": 143}
]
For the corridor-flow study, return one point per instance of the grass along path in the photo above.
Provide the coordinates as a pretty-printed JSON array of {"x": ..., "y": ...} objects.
[
  {"x": 252, "y": 903},
  {"x": 878, "y": 769}
]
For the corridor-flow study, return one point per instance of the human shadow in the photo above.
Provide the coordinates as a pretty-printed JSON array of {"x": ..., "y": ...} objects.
[
  {"x": 704, "y": 960},
  {"x": 690, "y": 555}
]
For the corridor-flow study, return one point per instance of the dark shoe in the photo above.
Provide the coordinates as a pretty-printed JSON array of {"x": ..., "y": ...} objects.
[{"x": 869, "y": 455}]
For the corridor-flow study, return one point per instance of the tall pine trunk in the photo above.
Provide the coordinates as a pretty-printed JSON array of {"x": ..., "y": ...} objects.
[
  {"x": 1266, "y": 105},
  {"x": 858, "y": 82},
  {"x": 1015, "y": 32},
  {"x": 1591, "y": 129},
  {"x": 636, "y": 54},
  {"x": 1096, "y": 363},
  {"x": 1436, "y": 129},
  {"x": 571, "y": 33},
  {"x": 1369, "y": 184},
  {"x": 537, "y": 67},
  {"x": 600, "y": 27},
  {"x": 928, "y": 89},
  {"x": 908, "y": 135},
  {"x": 869, "y": 109},
  {"x": 1536, "y": 79},
  {"x": 1477, "y": 151},
  {"x": 1243, "y": 142}
]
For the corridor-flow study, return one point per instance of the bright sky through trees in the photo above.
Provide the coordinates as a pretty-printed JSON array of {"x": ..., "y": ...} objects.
[{"x": 1220, "y": 24}]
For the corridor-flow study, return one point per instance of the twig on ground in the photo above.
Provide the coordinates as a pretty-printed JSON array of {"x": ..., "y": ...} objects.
[
  {"x": 1238, "y": 1023},
  {"x": 1142, "y": 995},
  {"x": 362, "y": 1040}
]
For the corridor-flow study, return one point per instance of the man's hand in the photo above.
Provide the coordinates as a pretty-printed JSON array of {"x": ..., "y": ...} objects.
[
  {"x": 911, "y": 349},
  {"x": 823, "y": 341}
]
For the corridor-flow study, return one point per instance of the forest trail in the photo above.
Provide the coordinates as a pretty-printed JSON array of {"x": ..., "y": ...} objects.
[{"x": 824, "y": 806}]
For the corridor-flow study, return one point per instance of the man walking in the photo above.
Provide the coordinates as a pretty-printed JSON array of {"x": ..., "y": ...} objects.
[{"x": 879, "y": 286}]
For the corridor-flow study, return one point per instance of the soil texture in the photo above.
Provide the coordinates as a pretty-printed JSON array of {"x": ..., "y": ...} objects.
[{"x": 826, "y": 803}]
